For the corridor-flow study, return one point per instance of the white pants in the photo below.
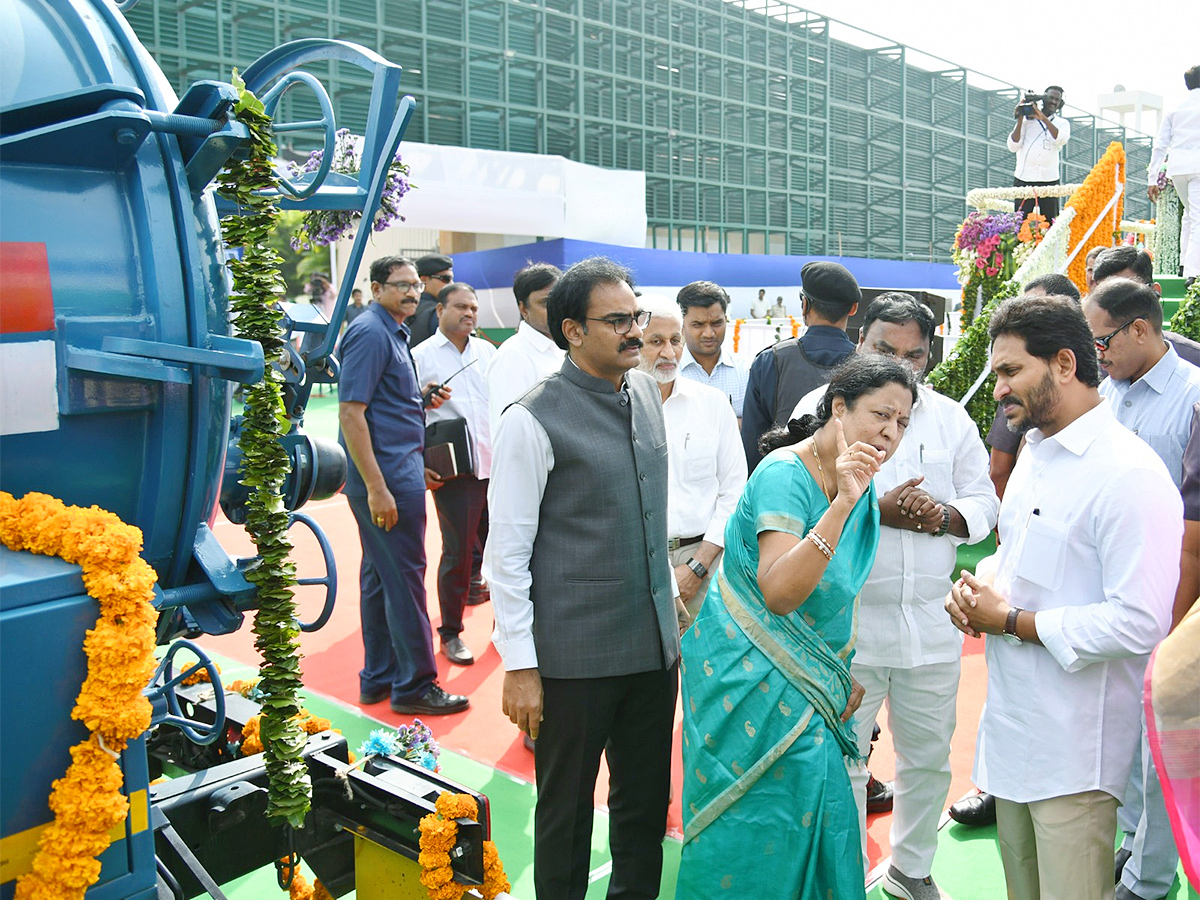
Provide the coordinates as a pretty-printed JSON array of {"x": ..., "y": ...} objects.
[
  {"x": 1188, "y": 188},
  {"x": 921, "y": 717}
]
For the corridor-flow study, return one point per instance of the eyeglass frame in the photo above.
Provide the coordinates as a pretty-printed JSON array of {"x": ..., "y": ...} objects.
[
  {"x": 618, "y": 317},
  {"x": 405, "y": 287},
  {"x": 1102, "y": 343},
  {"x": 442, "y": 277}
]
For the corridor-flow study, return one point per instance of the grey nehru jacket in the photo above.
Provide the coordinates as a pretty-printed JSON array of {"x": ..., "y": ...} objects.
[{"x": 601, "y": 592}]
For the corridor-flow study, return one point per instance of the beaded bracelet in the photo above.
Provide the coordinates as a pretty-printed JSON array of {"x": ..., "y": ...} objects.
[{"x": 821, "y": 544}]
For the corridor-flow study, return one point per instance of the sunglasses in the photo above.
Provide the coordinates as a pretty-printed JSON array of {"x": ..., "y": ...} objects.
[
  {"x": 443, "y": 278},
  {"x": 1103, "y": 342}
]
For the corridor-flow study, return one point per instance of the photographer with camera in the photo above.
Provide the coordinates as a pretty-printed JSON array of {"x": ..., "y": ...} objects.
[{"x": 1036, "y": 138}]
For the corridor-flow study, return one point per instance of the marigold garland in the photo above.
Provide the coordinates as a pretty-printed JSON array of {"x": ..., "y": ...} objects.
[
  {"x": 439, "y": 831},
  {"x": 87, "y": 801},
  {"x": 737, "y": 333},
  {"x": 1088, "y": 202}
]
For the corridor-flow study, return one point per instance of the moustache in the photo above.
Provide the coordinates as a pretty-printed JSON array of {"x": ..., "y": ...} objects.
[
  {"x": 1010, "y": 401},
  {"x": 631, "y": 342}
]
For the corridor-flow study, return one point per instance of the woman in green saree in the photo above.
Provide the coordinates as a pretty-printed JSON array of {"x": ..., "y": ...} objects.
[{"x": 767, "y": 806}]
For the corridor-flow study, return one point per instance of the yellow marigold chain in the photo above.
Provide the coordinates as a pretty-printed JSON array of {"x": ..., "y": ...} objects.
[
  {"x": 439, "y": 831},
  {"x": 87, "y": 801}
]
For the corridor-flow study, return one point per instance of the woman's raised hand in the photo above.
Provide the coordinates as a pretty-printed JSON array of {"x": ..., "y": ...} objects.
[{"x": 856, "y": 465}]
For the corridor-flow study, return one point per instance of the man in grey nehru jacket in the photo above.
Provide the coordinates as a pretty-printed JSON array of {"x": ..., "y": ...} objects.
[{"x": 585, "y": 601}]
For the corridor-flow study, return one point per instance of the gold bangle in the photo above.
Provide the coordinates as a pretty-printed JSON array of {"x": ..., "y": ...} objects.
[{"x": 821, "y": 544}]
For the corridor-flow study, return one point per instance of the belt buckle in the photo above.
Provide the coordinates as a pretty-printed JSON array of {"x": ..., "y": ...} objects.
[{"x": 674, "y": 544}]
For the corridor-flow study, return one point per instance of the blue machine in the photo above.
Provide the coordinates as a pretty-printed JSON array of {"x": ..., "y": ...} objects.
[{"x": 118, "y": 369}]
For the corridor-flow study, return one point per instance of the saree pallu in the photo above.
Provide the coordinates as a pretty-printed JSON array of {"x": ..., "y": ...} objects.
[
  {"x": 767, "y": 806},
  {"x": 1172, "y": 694}
]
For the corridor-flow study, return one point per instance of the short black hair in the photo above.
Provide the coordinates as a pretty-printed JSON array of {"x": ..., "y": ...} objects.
[
  {"x": 899, "y": 308},
  {"x": 1118, "y": 259},
  {"x": 702, "y": 294},
  {"x": 382, "y": 268},
  {"x": 534, "y": 277},
  {"x": 1125, "y": 300},
  {"x": 1192, "y": 78},
  {"x": 1054, "y": 87},
  {"x": 857, "y": 375},
  {"x": 1048, "y": 325},
  {"x": 570, "y": 295},
  {"x": 1055, "y": 283},
  {"x": 451, "y": 288}
]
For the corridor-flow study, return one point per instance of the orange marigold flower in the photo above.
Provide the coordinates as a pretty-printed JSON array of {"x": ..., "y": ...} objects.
[
  {"x": 433, "y": 878},
  {"x": 456, "y": 806},
  {"x": 433, "y": 859}
]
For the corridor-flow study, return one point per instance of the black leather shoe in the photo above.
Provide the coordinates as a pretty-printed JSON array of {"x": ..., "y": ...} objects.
[
  {"x": 975, "y": 811},
  {"x": 436, "y": 702},
  {"x": 879, "y": 795},
  {"x": 367, "y": 698},
  {"x": 456, "y": 651},
  {"x": 1119, "y": 861},
  {"x": 479, "y": 593},
  {"x": 1124, "y": 893}
]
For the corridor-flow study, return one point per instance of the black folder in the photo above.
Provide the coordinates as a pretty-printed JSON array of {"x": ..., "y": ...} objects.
[{"x": 448, "y": 448}]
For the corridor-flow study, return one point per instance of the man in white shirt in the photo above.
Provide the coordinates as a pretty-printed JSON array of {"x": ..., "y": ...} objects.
[
  {"x": 1151, "y": 391},
  {"x": 934, "y": 494},
  {"x": 704, "y": 449},
  {"x": 452, "y": 353},
  {"x": 1178, "y": 143},
  {"x": 529, "y": 355},
  {"x": 705, "y": 358},
  {"x": 1036, "y": 139},
  {"x": 1083, "y": 587}
]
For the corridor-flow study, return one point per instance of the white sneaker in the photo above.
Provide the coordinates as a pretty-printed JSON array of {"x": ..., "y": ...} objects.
[{"x": 897, "y": 884}]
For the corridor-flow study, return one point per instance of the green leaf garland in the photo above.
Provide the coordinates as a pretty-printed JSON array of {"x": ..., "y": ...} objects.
[
  {"x": 1186, "y": 320},
  {"x": 955, "y": 375},
  {"x": 256, "y": 285}
]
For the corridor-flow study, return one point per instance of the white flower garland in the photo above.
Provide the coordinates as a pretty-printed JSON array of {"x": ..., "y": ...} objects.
[
  {"x": 1001, "y": 198},
  {"x": 1166, "y": 237},
  {"x": 1138, "y": 227}
]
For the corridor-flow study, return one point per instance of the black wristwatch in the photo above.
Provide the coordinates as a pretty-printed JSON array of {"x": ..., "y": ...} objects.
[
  {"x": 696, "y": 566},
  {"x": 1010, "y": 626},
  {"x": 945, "y": 522}
]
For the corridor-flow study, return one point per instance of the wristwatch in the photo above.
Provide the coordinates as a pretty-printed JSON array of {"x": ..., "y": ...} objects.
[
  {"x": 945, "y": 522},
  {"x": 696, "y": 566},
  {"x": 1010, "y": 627}
]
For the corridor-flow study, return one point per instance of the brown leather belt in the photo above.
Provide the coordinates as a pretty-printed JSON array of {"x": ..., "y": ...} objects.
[{"x": 675, "y": 543}]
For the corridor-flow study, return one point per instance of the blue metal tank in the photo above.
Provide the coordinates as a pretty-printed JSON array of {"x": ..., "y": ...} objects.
[{"x": 118, "y": 362}]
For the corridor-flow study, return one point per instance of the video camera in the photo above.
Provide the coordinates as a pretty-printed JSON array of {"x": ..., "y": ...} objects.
[{"x": 1025, "y": 107}]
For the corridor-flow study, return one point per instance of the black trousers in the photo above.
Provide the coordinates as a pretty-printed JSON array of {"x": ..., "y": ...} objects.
[
  {"x": 630, "y": 717},
  {"x": 462, "y": 514},
  {"x": 1048, "y": 205}
]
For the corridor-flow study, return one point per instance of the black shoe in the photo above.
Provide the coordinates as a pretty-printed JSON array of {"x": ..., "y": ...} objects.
[
  {"x": 436, "y": 702},
  {"x": 456, "y": 651},
  {"x": 975, "y": 811},
  {"x": 367, "y": 698},
  {"x": 879, "y": 795},
  {"x": 479, "y": 593},
  {"x": 1124, "y": 893},
  {"x": 1119, "y": 861}
]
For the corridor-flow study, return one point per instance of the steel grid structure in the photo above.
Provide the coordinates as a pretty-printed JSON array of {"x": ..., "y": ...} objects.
[{"x": 758, "y": 131}]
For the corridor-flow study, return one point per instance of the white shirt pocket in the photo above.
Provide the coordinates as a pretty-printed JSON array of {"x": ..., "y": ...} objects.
[
  {"x": 1043, "y": 552},
  {"x": 938, "y": 468}
]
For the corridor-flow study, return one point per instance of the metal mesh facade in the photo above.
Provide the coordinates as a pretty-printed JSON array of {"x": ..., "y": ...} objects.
[{"x": 756, "y": 134}]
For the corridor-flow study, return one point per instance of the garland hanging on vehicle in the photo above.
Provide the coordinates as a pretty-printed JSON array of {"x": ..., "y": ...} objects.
[{"x": 249, "y": 183}]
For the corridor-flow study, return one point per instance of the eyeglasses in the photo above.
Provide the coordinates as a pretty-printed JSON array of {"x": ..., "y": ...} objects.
[
  {"x": 622, "y": 324},
  {"x": 1103, "y": 342},
  {"x": 444, "y": 279},
  {"x": 405, "y": 286}
]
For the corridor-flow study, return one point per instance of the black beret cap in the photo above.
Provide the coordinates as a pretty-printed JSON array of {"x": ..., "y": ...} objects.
[
  {"x": 830, "y": 283},
  {"x": 433, "y": 263}
]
